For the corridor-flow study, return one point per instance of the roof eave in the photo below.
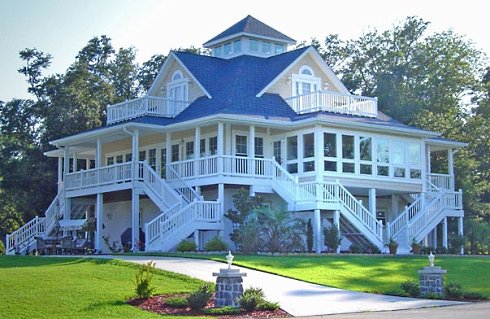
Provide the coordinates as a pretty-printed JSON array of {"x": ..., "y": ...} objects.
[{"x": 211, "y": 43}]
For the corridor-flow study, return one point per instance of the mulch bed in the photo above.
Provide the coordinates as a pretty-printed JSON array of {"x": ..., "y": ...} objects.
[{"x": 157, "y": 304}]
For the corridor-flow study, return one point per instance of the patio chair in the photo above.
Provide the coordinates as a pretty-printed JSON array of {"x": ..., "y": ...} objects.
[{"x": 68, "y": 245}]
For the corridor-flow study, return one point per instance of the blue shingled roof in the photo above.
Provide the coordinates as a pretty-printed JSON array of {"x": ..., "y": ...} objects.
[
  {"x": 234, "y": 83},
  {"x": 252, "y": 26}
]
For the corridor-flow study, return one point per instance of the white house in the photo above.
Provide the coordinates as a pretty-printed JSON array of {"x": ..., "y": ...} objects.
[{"x": 253, "y": 114}]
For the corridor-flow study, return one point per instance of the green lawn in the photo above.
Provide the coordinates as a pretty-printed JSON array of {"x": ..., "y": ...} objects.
[
  {"x": 38, "y": 287},
  {"x": 378, "y": 274}
]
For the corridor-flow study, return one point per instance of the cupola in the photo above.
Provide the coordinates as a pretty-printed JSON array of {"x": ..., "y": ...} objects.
[{"x": 249, "y": 36}]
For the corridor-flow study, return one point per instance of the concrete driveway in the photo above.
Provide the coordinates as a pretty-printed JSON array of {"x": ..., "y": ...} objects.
[{"x": 296, "y": 297}]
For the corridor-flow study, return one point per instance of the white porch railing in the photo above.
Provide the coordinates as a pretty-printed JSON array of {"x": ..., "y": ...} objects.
[
  {"x": 334, "y": 102},
  {"x": 442, "y": 181},
  {"x": 147, "y": 105},
  {"x": 106, "y": 175},
  {"x": 163, "y": 227},
  {"x": 38, "y": 226}
]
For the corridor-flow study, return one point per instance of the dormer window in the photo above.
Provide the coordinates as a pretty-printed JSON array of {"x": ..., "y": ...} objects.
[
  {"x": 227, "y": 49},
  {"x": 266, "y": 48},
  {"x": 177, "y": 88},
  {"x": 237, "y": 46},
  {"x": 305, "y": 81},
  {"x": 253, "y": 45}
]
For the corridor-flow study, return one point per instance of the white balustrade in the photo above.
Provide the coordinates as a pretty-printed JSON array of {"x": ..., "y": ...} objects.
[
  {"x": 334, "y": 102},
  {"x": 118, "y": 173},
  {"x": 441, "y": 181},
  {"x": 147, "y": 105}
]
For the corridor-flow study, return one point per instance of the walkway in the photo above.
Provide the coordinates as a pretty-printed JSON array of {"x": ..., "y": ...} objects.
[{"x": 296, "y": 297}]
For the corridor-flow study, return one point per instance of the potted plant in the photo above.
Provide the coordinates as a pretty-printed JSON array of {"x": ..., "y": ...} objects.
[
  {"x": 415, "y": 247},
  {"x": 392, "y": 246}
]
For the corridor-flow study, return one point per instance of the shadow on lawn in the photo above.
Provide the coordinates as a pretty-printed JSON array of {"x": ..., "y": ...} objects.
[{"x": 33, "y": 261}]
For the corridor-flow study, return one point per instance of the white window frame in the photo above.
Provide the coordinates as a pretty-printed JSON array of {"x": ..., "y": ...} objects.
[{"x": 174, "y": 84}]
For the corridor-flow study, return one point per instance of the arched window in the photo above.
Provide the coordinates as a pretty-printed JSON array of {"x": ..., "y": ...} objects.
[{"x": 306, "y": 70}]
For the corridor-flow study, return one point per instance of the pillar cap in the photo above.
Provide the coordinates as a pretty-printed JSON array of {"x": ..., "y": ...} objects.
[{"x": 229, "y": 273}]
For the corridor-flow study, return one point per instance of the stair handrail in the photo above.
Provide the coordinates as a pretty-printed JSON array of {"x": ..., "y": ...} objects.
[
  {"x": 154, "y": 182},
  {"x": 359, "y": 211},
  {"x": 289, "y": 181},
  {"x": 186, "y": 191},
  {"x": 152, "y": 228},
  {"x": 420, "y": 220}
]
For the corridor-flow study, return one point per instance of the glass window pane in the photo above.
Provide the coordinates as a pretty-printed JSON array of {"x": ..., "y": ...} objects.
[
  {"x": 292, "y": 147},
  {"x": 279, "y": 48},
  {"x": 119, "y": 159},
  {"x": 366, "y": 169},
  {"x": 383, "y": 171},
  {"x": 399, "y": 172},
  {"x": 308, "y": 145},
  {"x": 365, "y": 148},
  {"x": 259, "y": 147},
  {"x": 189, "y": 150},
  {"x": 175, "y": 153},
  {"x": 213, "y": 145},
  {"x": 309, "y": 166},
  {"x": 383, "y": 151},
  {"x": 237, "y": 46},
  {"x": 217, "y": 52},
  {"x": 329, "y": 145},
  {"x": 293, "y": 168},
  {"x": 348, "y": 167},
  {"x": 142, "y": 155},
  {"x": 266, "y": 47},
  {"x": 152, "y": 158},
  {"x": 415, "y": 173},
  {"x": 227, "y": 49},
  {"x": 414, "y": 154},
  {"x": 347, "y": 147},
  {"x": 241, "y": 145},
  {"x": 253, "y": 45},
  {"x": 110, "y": 160},
  {"x": 278, "y": 151},
  {"x": 330, "y": 166},
  {"x": 398, "y": 153},
  {"x": 163, "y": 162},
  {"x": 202, "y": 147},
  {"x": 129, "y": 157}
]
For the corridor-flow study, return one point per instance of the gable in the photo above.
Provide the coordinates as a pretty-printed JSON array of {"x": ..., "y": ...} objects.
[
  {"x": 282, "y": 84},
  {"x": 171, "y": 65}
]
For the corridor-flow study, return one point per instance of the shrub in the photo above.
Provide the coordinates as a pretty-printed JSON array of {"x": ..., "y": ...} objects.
[
  {"x": 309, "y": 236},
  {"x": 199, "y": 299},
  {"x": 177, "y": 302},
  {"x": 216, "y": 244},
  {"x": 222, "y": 311},
  {"x": 186, "y": 245},
  {"x": 267, "y": 305},
  {"x": 453, "y": 290},
  {"x": 411, "y": 287},
  {"x": 143, "y": 280},
  {"x": 251, "y": 298},
  {"x": 2, "y": 248},
  {"x": 332, "y": 237},
  {"x": 470, "y": 295},
  {"x": 355, "y": 249}
]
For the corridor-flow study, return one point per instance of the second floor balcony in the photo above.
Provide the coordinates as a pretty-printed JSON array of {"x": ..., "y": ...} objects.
[
  {"x": 325, "y": 101},
  {"x": 144, "y": 106}
]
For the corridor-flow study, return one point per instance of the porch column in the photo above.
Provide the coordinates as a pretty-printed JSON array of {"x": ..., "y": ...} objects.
[
  {"x": 444, "y": 232},
  {"x": 75, "y": 164},
  {"x": 66, "y": 164},
  {"x": 460, "y": 232},
  {"x": 434, "y": 237},
  {"x": 60, "y": 173},
  {"x": 450, "y": 168},
  {"x": 318, "y": 140},
  {"x": 135, "y": 146},
  {"x": 228, "y": 142},
  {"x": 99, "y": 218},
  {"x": 221, "y": 199},
  {"x": 317, "y": 224},
  {"x": 196, "y": 239},
  {"x": 251, "y": 149},
  {"x": 372, "y": 201},
  {"x": 168, "y": 152},
  {"x": 336, "y": 222},
  {"x": 98, "y": 154},
  {"x": 428, "y": 160},
  {"x": 197, "y": 150},
  {"x": 87, "y": 163},
  {"x": 221, "y": 147},
  {"x": 135, "y": 220}
]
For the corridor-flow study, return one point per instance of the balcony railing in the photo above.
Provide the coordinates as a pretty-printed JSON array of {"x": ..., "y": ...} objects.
[
  {"x": 334, "y": 102},
  {"x": 148, "y": 105}
]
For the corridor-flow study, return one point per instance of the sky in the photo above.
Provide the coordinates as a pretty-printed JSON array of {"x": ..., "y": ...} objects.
[{"x": 63, "y": 27}]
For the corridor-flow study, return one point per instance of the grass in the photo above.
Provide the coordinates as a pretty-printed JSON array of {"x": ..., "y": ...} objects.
[
  {"x": 376, "y": 274},
  {"x": 38, "y": 287}
]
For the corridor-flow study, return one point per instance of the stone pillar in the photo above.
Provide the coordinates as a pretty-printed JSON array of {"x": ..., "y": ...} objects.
[
  {"x": 228, "y": 287},
  {"x": 431, "y": 281}
]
